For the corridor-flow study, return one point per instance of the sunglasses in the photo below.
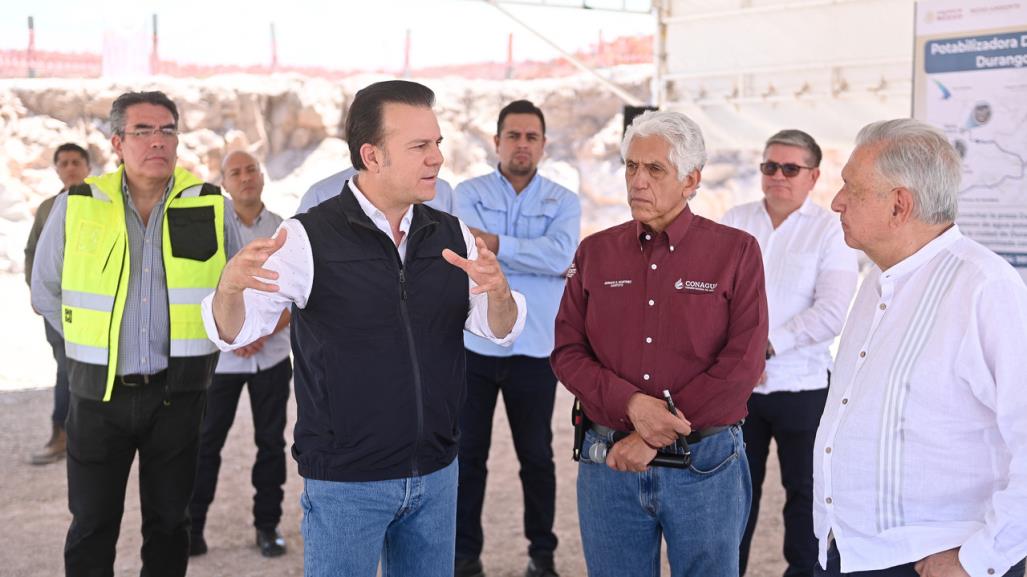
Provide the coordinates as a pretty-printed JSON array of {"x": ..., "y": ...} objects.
[{"x": 789, "y": 170}]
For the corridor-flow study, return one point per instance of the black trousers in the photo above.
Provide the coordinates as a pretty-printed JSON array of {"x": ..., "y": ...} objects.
[
  {"x": 791, "y": 419},
  {"x": 103, "y": 439},
  {"x": 529, "y": 391},
  {"x": 907, "y": 570},
  {"x": 269, "y": 396}
]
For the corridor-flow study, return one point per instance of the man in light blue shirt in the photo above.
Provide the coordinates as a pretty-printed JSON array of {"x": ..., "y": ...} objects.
[
  {"x": 533, "y": 225},
  {"x": 330, "y": 187}
]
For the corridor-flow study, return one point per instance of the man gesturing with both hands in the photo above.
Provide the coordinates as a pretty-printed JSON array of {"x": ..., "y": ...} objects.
[{"x": 382, "y": 288}]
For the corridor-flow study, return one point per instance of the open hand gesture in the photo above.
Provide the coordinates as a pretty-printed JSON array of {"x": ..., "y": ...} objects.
[
  {"x": 484, "y": 271},
  {"x": 245, "y": 269}
]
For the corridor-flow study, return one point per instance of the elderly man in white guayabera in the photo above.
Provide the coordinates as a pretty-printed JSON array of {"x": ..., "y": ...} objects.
[{"x": 919, "y": 462}]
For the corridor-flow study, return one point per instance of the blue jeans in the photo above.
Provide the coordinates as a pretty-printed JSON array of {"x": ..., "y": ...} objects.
[
  {"x": 410, "y": 524},
  {"x": 700, "y": 511}
]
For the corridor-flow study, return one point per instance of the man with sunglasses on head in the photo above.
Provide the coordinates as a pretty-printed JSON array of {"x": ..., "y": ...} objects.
[
  {"x": 120, "y": 268},
  {"x": 811, "y": 276}
]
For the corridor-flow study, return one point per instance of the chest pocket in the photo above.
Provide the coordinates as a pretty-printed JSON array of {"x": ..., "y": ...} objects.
[
  {"x": 698, "y": 322},
  {"x": 493, "y": 215},
  {"x": 534, "y": 220},
  {"x": 192, "y": 232},
  {"x": 799, "y": 273}
]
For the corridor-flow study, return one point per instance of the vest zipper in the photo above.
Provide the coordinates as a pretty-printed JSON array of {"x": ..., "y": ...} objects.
[
  {"x": 416, "y": 368},
  {"x": 405, "y": 314}
]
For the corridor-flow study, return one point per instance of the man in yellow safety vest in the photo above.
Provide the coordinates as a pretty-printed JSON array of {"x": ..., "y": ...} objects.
[{"x": 121, "y": 266}]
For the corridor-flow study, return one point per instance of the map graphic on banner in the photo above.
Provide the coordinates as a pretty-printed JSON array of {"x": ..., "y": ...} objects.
[{"x": 970, "y": 80}]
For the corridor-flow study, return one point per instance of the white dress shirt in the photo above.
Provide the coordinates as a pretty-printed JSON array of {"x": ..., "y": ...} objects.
[
  {"x": 811, "y": 275},
  {"x": 330, "y": 187},
  {"x": 923, "y": 443},
  {"x": 294, "y": 263},
  {"x": 277, "y": 346}
]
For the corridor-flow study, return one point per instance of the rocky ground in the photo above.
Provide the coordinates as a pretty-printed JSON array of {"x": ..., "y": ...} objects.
[{"x": 33, "y": 500}]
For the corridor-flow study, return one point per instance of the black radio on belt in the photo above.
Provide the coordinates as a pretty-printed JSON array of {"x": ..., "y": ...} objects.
[
  {"x": 598, "y": 451},
  {"x": 673, "y": 460}
]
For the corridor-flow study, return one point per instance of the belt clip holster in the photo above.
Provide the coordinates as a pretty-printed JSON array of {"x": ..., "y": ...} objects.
[{"x": 581, "y": 424}]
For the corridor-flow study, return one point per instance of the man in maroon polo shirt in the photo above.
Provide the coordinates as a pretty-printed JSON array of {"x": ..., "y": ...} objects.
[{"x": 668, "y": 301}]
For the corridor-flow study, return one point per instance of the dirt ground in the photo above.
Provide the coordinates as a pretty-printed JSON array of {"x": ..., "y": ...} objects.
[{"x": 33, "y": 500}]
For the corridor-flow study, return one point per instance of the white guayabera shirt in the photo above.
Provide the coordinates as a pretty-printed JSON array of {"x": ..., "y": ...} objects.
[
  {"x": 923, "y": 442},
  {"x": 811, "y": 276}
]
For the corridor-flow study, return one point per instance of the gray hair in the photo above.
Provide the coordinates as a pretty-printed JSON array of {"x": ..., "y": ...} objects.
[
  {"x": 129, "y": 99},
  {"x": 798, "y": 139},
  {"x": 687, "y": 148},
  {"x": 918, "y": 157}
]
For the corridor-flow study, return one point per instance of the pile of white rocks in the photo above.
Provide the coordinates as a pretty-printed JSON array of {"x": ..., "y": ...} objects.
[{"x": 295, "y": 126}]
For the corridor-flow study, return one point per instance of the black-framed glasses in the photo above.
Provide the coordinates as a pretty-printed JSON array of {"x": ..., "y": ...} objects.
[
  {"x": 788, "y": 169},
  {"x": 162, "y": 131}
]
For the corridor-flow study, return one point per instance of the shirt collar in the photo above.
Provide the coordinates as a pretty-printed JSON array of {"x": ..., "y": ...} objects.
[
  {"x": 807, "y": 208},
  {"x": 675, "y": 231},
  {"x": 128, "y": 197},
  {"x": 502, "y": 178},
  {"x": 378, "y": 217},
  {"x": 922, "y": 256},
  {"x": 256, "y": 221}
]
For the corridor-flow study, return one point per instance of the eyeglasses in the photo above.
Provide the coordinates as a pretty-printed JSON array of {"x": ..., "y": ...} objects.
[
  {"x": 163, "y": 132},
  {"x": 789, "y": 169}
]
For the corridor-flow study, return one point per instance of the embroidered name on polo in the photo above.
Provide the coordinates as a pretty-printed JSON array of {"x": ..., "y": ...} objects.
[{"x": 617, "y": 283}]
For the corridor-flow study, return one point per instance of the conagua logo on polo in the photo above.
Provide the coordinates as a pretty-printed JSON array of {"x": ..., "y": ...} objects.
[{"x": 696, "y": 285}]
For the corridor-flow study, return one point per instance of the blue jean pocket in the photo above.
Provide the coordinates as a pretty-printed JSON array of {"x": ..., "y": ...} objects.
[
  {"x": 715, "y": 453},
  {"x": 305, "y": 502}
]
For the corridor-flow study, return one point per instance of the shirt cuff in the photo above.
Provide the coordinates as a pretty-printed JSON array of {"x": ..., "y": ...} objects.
[
  {"x": 980, "y": 559},
  {"x": 478, "y": 323},
  {"x": 617, "y": 410},
  {"x": 783, "y": 340},
  {"x": 508, "y": 245},
  {"x": 207, "y": 313}
]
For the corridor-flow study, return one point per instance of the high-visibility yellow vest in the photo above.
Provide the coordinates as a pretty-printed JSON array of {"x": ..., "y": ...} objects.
[{"x": 94, "y": 283}]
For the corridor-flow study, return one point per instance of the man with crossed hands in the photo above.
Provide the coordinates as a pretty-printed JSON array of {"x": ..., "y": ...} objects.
[{"x": 668, "y": 301}]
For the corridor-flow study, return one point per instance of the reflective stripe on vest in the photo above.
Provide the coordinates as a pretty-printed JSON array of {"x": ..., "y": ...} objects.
[{"x": 94, "y": 281}]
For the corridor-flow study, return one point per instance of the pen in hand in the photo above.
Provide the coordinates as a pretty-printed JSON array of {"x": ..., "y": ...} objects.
[{"x": 682, "y": 440}]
